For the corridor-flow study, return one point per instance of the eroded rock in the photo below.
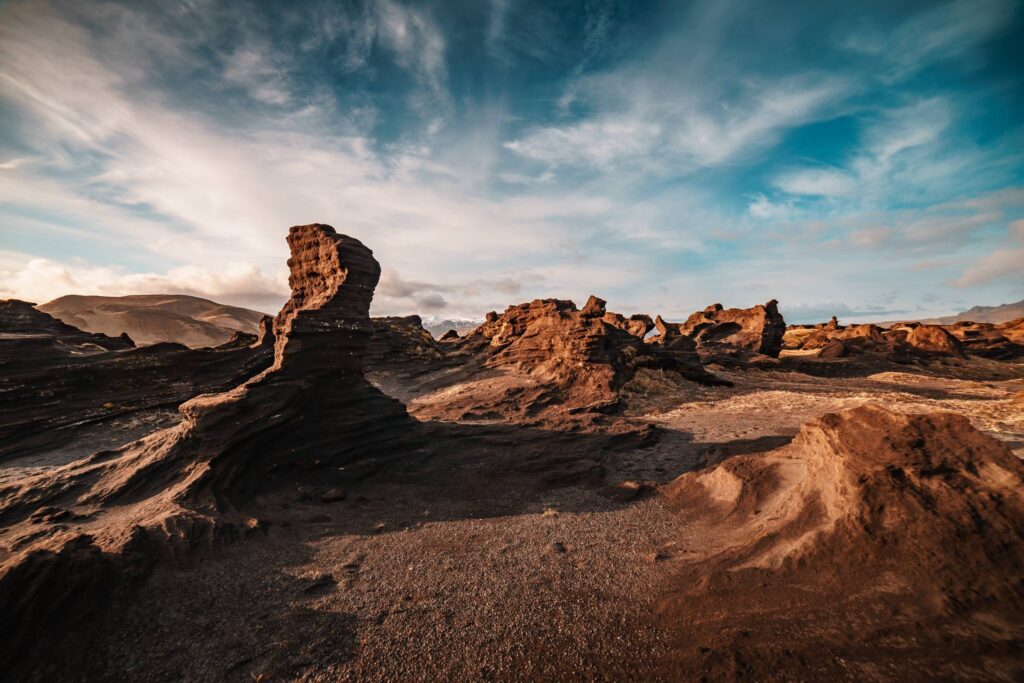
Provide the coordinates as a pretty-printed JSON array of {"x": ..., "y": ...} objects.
[
  {"x": 911, "y": 521},
  {"x": 310, "y": 413},
  {"x": 759, "y": 329}
]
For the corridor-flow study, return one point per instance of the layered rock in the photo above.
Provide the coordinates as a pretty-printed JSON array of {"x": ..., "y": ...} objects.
[
  {"x": 580, "y": 360},
  {"x": 989, "y": 340},
  {"x": 23, "y": 324},
  {"x": 914, "y": 523},
  {"x": 402, "y": 341},
  {"x": 309, "y": 417},
  {"x": 637, "y": 325},
  {"x": 63, "y": 386},
  {"x": 758, "y": 329}
]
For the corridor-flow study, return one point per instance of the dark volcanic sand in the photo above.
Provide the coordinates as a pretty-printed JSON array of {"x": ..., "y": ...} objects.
[{"x": 473, "y": 565}]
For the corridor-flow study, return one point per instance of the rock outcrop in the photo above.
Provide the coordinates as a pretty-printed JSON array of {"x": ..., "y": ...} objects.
[
  {"x": 576, "y": 360},
  {"x": 989, "y": 340},
  {"x": 758, "y": 329},
  {"x": 402, "y": 341},
  {"x": 310, "y": 417},
  {"x": 913, "y": 523},
  {"x": 914, "y": 341},
  {"x": 637, "y": 325},
  {"x": 23, "y": 324},
  {"x": 63, "y": 385}
]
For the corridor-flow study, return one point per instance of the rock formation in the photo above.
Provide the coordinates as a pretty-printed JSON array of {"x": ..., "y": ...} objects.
[
  {"x": 576, "y": 360},
  {"x": 758, "y": 329},
  {"x": 913, "y": 341},
  {"x": 304, "y": 419},
  {"x": 989, "y": 340},
  {"x": 401, "y": 341},
  {"x": 915, "y": 522},
  {"x": 23, "y": 324},
  {"x": 637, "y": 325},
  {"x": 61, "y": 384}
]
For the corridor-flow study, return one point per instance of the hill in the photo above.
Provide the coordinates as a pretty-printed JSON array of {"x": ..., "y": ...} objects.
[{"x": 154, "y": 318}]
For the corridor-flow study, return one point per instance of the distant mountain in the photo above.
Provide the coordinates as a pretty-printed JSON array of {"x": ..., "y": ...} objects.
[
  {"x": 983, "y": 314},
  {"x": 437, "y": 327},
  {"x": 1001, "y": 313},
  {"x": 152, "y": 318}
]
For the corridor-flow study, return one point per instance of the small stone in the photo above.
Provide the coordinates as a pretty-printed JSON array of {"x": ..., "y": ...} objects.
[{"x": 334, "y": 495}]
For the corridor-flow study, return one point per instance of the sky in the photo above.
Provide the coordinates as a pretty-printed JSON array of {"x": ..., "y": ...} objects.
[{"x": 864, "y": 159}]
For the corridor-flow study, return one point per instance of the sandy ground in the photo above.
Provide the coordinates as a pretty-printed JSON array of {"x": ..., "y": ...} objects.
[{"x": 456, "y": 570}]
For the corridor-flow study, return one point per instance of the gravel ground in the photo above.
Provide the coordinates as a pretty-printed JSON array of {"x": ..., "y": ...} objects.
[{"x": 470, "y": 565}]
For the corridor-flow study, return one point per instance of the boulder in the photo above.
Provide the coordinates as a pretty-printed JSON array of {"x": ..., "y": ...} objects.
[
  {"x": 933, "y": 340},
  {"x": 759, "y": 329}
]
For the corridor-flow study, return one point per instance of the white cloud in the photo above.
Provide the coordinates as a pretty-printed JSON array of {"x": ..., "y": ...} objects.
[
  {"x": 1002, "y": 264},
  {"x": 949, "y": 30},
  {"x": 253, "y": 69},
  {"x": 1005, "y": 263},
  {"x": 40, "y": 280},
  {"x": 816, "y": 182},
  {"x": 665, "y": 126},
  {"x": 763, "y": 208}
]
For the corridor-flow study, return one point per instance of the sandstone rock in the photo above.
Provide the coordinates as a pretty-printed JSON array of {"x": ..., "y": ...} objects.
[
  {"x": 450, "y": 335},
  {"x": 637, "y": 325},
  {"x": 667, "y": 332},
  {"x": 399, "y": 341},
  {"x": 934, "y": 339},
  {"x": 575, "y": 360},
  {"x": 308, "y": 415},
  {"x": 834, "y": 349},
  {"x": 594, "y": 308},
  {"x": 22, "y": 320},
  {"x": 759, "y": 329},
  {"x": 987, "y": 340}
]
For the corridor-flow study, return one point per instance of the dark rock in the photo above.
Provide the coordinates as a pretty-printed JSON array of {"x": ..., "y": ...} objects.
[
  {"x": 594, "y": 308},
  {"x": 92, "y": 382},
  {"x": 310, "y": 414},
  {"x": 333, "y": 495}
]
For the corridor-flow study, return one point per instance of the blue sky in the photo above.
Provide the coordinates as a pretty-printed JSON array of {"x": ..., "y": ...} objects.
[{"x": 858, "y": 159}]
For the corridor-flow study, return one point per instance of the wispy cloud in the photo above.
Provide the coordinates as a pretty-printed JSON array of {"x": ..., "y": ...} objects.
[
  {"x": 662, "y": 159},
  {"x": 1005, "y": 263}
]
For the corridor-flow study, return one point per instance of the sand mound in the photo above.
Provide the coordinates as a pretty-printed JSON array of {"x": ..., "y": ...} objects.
[{"x": 873, "y": 538}]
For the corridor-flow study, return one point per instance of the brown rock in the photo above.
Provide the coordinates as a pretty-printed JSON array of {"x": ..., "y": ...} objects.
[
  {"x": 95, "y": 382},
  {"x": 594, "y": 308},
  {"x": 759, "y": 329},
  {"x": 988, "y": 340},
  {"x": 913, "y": 522},
  {"x": 637, "y": 325},
  {"x": 834, "y": 349},
  {"x": 932, "y": 340}
]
